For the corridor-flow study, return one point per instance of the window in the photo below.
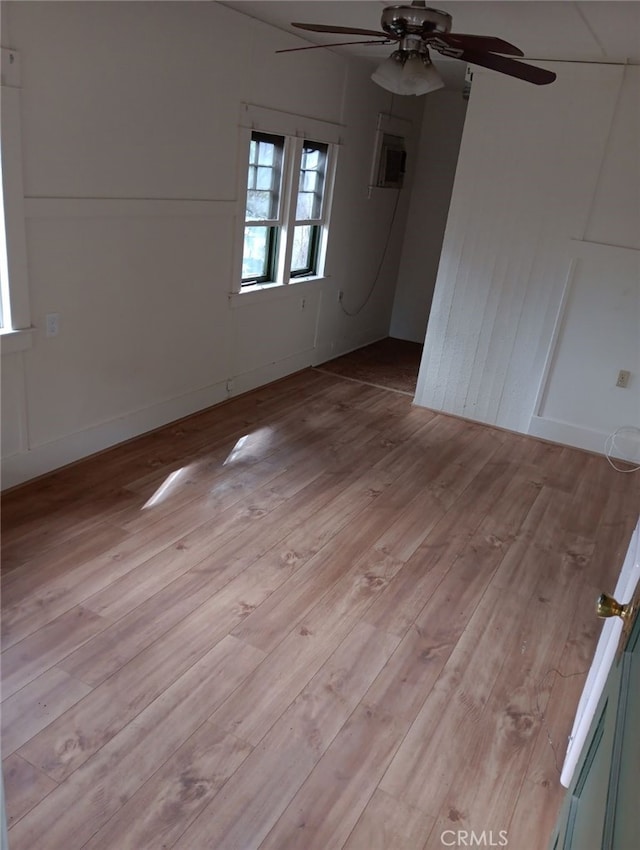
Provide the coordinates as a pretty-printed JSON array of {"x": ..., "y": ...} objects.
[
  {"x": 287, "y": 208},
  {"x": 262, "y": 217},
  {"x": 308, "y": 219},
  {"x": 14, "y": 294}
]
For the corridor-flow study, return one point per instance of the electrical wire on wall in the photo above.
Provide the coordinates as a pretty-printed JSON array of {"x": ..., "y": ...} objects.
[
  {"x": 380, "y": 264},
  {"x": 615, "y": 451},
  {"x": 385, "y": 248}
]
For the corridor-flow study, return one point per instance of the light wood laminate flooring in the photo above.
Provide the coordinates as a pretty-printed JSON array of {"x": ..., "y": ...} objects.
[{"x": 314, "y": 617}]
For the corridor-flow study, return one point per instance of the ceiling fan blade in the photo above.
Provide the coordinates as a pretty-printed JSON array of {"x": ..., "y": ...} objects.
[
  {"x": 530, "y": 73},
  {"x": 333, "y": 44},
  {"x": 479, "y": 42},
  {"x": 342, "y": 30}
]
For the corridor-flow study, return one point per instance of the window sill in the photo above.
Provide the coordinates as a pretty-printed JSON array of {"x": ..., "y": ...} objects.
[
  {"x": 15, "y": 341},
  {"x": 261, "y": 291}
]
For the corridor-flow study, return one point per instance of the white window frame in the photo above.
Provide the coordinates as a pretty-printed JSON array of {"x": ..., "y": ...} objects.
[
  {"x": 15, "y": 333},
  {"x": 278, "y": 220},
  {"x": 296, "y": 130},
  {"x": 317, "y": 222}
]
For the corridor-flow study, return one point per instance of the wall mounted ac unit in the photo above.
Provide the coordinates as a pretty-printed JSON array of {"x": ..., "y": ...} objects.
[{"x": 389, "y": 155}]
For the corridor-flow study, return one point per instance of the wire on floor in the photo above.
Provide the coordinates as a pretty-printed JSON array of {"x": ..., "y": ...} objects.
[
  {"x": 541, "y": 713},
  {"x": 614, "y": 451}
]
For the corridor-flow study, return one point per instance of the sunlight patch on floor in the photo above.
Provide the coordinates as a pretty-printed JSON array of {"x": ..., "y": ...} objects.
[
  {"x": 248, "y": 445},
  {"x": 167, "y": 486}
]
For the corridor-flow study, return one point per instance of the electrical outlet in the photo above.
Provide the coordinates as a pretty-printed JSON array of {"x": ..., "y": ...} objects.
[
  {"x": 52, "y": 324},
  {"x": 623, "y": 378}
]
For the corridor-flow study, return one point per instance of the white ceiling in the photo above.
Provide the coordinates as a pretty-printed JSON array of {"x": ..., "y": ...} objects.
[{"x": 589, "y": 31}]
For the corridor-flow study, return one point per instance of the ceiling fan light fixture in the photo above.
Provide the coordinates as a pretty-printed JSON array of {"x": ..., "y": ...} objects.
[
  {"x": 407, "y": 73},
  {"x": 388, "y": 74},
  {"x": 420, "y": 76}
]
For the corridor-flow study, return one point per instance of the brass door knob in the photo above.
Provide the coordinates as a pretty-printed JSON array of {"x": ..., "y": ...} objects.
[{"x": 608, "y": 607}]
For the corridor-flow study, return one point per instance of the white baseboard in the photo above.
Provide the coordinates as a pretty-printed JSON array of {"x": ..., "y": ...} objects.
[
  {"x": 568, "y": 434},
  {"x": 329, "y": 351},
  {"x": 23, "y": 466},
  {"x": 272, "y": 372}
]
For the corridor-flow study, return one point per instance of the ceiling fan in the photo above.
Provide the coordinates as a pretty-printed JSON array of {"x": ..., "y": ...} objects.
[{"x": 415, "y": 28}]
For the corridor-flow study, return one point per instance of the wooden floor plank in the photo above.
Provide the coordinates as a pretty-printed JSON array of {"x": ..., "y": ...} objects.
[
  {"x": 177, "y": 539},
  {"x": 167, "y": 804},
  {"x": 25, "y": 787},
  {"x": 25, "y": 661},
  {"x": 328, "y": 805},
  {"x": 361, "y": 514},
  {"x": 503, "y": 736},
  {"x": 48, "y": 696},
  {"x": 292, "y": 747},
  {"x": 460, "y": 530},
  {"x": 421, "y": 773},
  {"x": 75, "y": 529},
  {"x": 226, "y": 581},
  {"x": 389, "y": 824},
  {"x": 159, "y": 449},
  {"x": 205, "y": 472},
  {"x": 559, "y": 690},
  {"x": 86, "y": 727},
  {"x": 35, "y": 590},
  {"x": 26, "y": 577},
  {"x": 478, "y": 699},
  {"x": 383, "y": 719},
  {"x": 337, "y": 627},
  {"x": 219, "y": 536},
  {"x": 251, "y": 713},
  {"x": 102, "y": 786}
]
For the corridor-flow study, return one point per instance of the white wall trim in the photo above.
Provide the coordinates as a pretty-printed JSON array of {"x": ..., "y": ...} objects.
[
  {"x": 568, "y": 434},
  {"x": 602, "y": 251},
  {"x": 255, "y": 117},
  {"x": 247, "y": 381},
  {"x": 22, "y": 466},
  {"x": 297, "y": 286},
  {"x": 39, "y": 460},
  {"x": 578, "y": 249},
  {"x": 13, "y": 341},
  {"x": 555, "y": 336},
  {"x": 40, "y": 207}
]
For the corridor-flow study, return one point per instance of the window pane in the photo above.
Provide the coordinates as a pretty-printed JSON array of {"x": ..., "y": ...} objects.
[
  {"x": 266, "y": 153},
  {"x": 303, "y": 245},
  {"x": 256, "y": 253},
  {"x": 259, "y": 206},
  {"x": 311, "y": 184},
  {"x": 305, "y": 207},
  {"x": 264, "y": 177},
  {"x": 309, "y": 181}
]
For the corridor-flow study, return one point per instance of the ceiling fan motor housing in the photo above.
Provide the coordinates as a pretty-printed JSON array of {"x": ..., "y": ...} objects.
[{"x": 401, "y": 21}]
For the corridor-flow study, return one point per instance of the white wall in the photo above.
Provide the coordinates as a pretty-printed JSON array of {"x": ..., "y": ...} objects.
[
  {"x": 532, "y": 316},
  {"x": 130, "y": 116},
  {"x": 437, "y": 156}
]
